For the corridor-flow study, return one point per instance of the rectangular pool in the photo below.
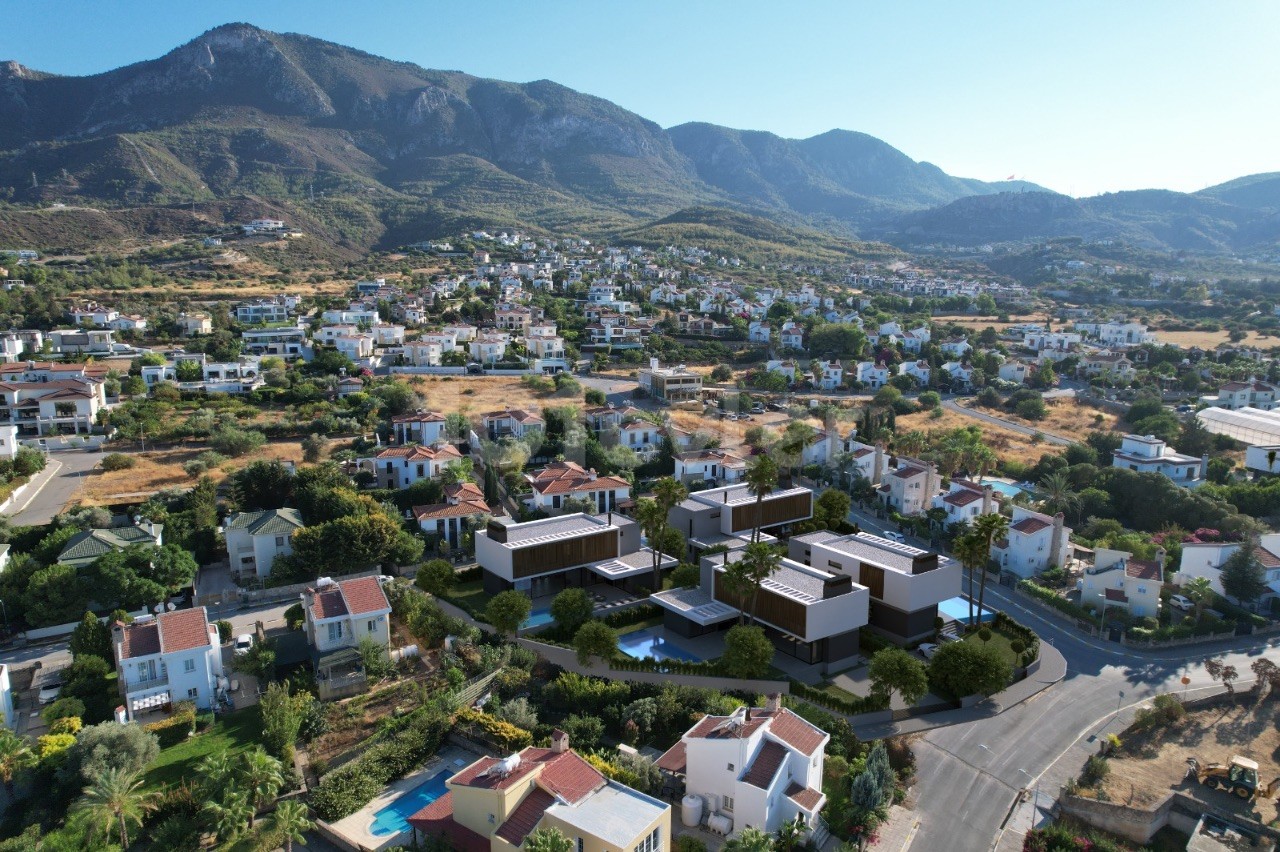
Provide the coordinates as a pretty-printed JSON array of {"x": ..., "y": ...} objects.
[
  {"x": 958, "y": 608},
  {"x": 394, "y": 818},
  {"x": 539, "y": 617},
  {"x": 1007, "y": 488},
  {"x": 649, "y": 643}
]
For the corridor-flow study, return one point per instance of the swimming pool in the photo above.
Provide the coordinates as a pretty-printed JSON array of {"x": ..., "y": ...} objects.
[
  {"x": 540, "y": 617},
  {"x": 958, "y": 608},
  {"x": 649, "y": 643},
  {"x": 1005, "y": 487},
  {"x": 394, "y": 818}
]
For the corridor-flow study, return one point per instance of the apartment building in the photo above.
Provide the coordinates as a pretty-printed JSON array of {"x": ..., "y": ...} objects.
[
  {"x": 670, "y": 384},
  {"x": 711, "y": 517}
]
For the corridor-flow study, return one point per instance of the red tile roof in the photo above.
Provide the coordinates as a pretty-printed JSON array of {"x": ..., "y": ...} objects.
[
  {"x": 1030, "y": 525},
  {"x": 766, "y": 764},
  {"x": 417, "y": 452},
  {"x": 569, "y": 776},
  {"x": 463, "y": 491},
  {"x": 706, "y": 728},
  {"x": 563, "y": 477},
  {"x": 525, "y": 818},
  {"x": 183, "y": 630},
  {"x": 1142, "y": 569},
  {"x": 141, "y": 640},
  {"x": 961, "y": 498},
  {"x": 1266, "y": 558},
  {"x": 474, "y": 775},
  {"x": 797, "y": 733},
  {"x": 675, "y": 758},
  {"x": 363, "y": 595},
  {"x": 460, "y": 509},
  {"x": 1117, "y": 595},
  {"x": 908, "y": 471},
  {"x": 436, "y": 820},
  {"x": 328, "y": 604},
  {"x": 806, "y": 797}
]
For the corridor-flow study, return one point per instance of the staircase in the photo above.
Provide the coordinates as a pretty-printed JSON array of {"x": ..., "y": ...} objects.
[{"x": 820, "y": 835}]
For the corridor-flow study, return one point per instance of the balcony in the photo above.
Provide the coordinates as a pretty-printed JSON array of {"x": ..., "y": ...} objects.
[{"x": 157, "y": 682}]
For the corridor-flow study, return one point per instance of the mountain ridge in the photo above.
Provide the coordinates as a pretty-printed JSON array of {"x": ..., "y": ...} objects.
[{"x": 391, "y": 147}]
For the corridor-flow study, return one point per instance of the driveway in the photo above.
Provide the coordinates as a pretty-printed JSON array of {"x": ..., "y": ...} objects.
[{"x": 65, "y": 484}]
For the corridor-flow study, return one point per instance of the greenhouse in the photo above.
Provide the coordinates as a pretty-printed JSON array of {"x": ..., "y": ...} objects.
[{"x": 1251, "y": 426}]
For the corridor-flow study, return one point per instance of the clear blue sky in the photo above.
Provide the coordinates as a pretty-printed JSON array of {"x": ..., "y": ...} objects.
[{"x": 1082, "y": 97}]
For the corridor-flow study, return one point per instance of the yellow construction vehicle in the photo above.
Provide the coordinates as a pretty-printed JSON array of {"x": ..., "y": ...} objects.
[{"x": 1239, "y": 777}]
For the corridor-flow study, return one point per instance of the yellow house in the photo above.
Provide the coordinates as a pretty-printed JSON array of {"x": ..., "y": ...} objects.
[{"x": 494, "y": 804}]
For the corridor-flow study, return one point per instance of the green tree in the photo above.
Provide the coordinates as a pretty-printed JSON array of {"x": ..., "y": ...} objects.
[
  {"x": 760, "y": 561},
  {"x": 685, "y": 576},
  {"x": 747, "y": 652},
  {"x": 1032, "y": 409},
  {"x": 1242, "y": 575},
  {"x": 290, "y": 822},
  {"x": 761, "y": 478},
  {"x": 991, "y": 528},
  {"x": 1059, "y": 496},
  {"x": 506, "y": 611},
  {"x": 115, "y": 799},
  {"x": 837, "y": 341},
  {"x": 667, "y": 493},
  {"x": 967, "y": 668},
  {"x": 260, "y": 776},
  {"x": 595, "y": 639},
  {"x": 1200, "y": 591},
  {"x": 93, "y": 637},
  {"x": 282, "y": 715},
  {"x": 436, "y": 577},
  {"x": 313, "y": 448},
  {"x": 895, "y": 670},
  {"x": 230, "y": 815},
  {"x": 259, "y": 661},
  {"x": 572, "y": 608},
  {"x": 971, "y": 549},
  {"x": 547, "y": 840},
  {"x": 108, "y": 746},
  {"x": 15, "y": 756},
  {"x": 261, "y": 485},
  {"x": 832, "y": 508},
  {"x": 750, "y": 839}
]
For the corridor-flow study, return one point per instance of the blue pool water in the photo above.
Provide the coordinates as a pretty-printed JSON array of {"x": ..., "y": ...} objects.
[
  {"x": 1005, "y": 487},
  {"x": 649, "y": 643},
  {"x": 540, "y": 617},
  {"x": 393, "y": 819},
  {"x": 958, "y": 608}
]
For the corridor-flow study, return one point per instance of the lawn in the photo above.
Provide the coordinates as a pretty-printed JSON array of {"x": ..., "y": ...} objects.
[
  {"x": 1000, "y": 641},
  {"x": 469, "y": 596},
  {"x": 233, "y": 734}
]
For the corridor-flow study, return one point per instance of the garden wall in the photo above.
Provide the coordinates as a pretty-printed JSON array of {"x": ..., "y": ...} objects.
[
  {"x": 280, "y": 593},
  {"x": 39, "y": 634}
]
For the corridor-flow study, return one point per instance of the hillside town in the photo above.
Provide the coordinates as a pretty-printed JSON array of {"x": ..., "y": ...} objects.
[{"x": 531, "y": 542}]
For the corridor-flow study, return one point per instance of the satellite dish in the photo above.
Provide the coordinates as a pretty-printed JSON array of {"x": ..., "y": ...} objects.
[
  {"x": 171, "y": 606},
  {"x": 158, "y": 608}
]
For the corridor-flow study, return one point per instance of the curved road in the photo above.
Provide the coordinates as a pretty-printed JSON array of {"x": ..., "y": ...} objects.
[{"x": 969, "y": 775}]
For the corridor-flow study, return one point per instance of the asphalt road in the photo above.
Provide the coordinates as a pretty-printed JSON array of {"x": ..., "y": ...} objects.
[
  {"x": 59, "y": 490},
  {"x": 969, "y": 775}
]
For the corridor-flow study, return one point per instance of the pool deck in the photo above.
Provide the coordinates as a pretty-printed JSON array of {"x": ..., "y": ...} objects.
[{"x": 355, "y": 828}]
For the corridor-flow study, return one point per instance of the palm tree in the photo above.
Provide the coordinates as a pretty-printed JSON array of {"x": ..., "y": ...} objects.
[
  {"x": 231, "y": 815},
  {"x": 750, "y": 840},
  {"x": 760, "y": 561},
  {"x": 290, "y": 820},
  {"x": 1059, "y": 496},
  {"x": 991, "y": 527},
  {"x": 761, "y": 477},
  {"x": 15, "y": 755},
  {"x": 970, "y": 548},
  {"x": 116, "y": 798},
  {"x": 261, "y": 775},
  {"x": 1200, "y": 590},
  {"x": 652, "y": 521}
]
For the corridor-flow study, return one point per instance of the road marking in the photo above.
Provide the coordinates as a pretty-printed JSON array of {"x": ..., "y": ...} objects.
[
  {"x": 911, "y": 836},
  {"x": 52, "y": 466}
]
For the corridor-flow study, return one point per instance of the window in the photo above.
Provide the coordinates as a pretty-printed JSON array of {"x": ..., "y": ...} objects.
[
  {"x": 279, "y": 541},
  {"x": 188, "y": 666},
  {"x": 335, "y": 631},
  {"x": 579, "y": 844},
  {"x": 373, "y": 625},
  {"x": 831, "y": 563},
  {"x": 728, "y": 803},
  {"x": 730, "y": 767},
  {"x": 193, "y": 692}
]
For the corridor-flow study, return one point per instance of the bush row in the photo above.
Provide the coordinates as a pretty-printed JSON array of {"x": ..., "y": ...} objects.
[
  {"x": 349, "y": 788},
  {"x": 1051, "y": 598},
  {"x": 629, "y": 664},
  {"x": 177, "y": 727},
  {"x": 632, "y": 615},
  {"x": 869, "y": 704},
  {"x": 503, "y": 735},
  {"x": 1028, "y": 636}
]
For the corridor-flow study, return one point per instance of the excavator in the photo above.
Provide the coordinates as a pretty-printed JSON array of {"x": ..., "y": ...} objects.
[{"x": 1239, "y": 777}]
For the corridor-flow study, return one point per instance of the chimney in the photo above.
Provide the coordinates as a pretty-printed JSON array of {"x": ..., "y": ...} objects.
[
  {"x": 987, "y": 497},
  {"x": 1056, "y": 542},
  {"x": 559, "y": 741},
  {"x": 1160, "y": 557},
  {"x": 747, "y": 716},
  {"x": 773, "y": 702},
  {"x": 653, "y": 363},
  {"x": 1204, "y": 466},
  {"x": 877, "y": 466}
]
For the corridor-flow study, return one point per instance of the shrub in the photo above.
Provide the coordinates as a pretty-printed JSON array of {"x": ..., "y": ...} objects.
[
  {"x": 1096, "y": 769},
  {"x": 66, "y": 725},
  {"x": 63, "y": 708},
  {"x": 686, "y": 843},
  {"x": 857, "y": 705},
  {"x": 224, "y": 631},
  {"x": 118, "y": 461},
  {"x": 177, "y": 727},
  {"x": 294, "y": 617},
  {"x": 503, "y": 735}
]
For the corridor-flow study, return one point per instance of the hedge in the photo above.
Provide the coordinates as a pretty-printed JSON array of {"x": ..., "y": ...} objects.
[
  {"x": 347, "y": 789},
  {"x": 1238, "y": 613},
  {"x": 632, "y": 615},
  {"x": 503, "y": 735},
  {"x": 869, "y": 704},
  {"x": 710, "y": 668},
  {"x": 1028, "y": 636},
  {"x": 1050, "y": 598},
  {"x": 177, "y": 727}
]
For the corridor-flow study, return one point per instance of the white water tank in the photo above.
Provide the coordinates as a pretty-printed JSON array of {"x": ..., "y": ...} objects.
[
  {"x": 720, "y": 824},
  {"x": 691, "y": 811}
]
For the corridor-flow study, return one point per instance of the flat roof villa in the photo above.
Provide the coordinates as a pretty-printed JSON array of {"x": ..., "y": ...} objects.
[
  {"x": 544, "y": 556},
  {"x": 711, "y": 517},
  {"x": 905, "y": 583}
]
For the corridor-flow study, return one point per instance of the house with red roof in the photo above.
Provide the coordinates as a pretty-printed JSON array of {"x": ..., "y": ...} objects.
[
  {"x": 758, "y": 767},
  {"x": 1118, "y": 581},
  {"x": 402, "y": 466},
  {"x": 337, "y": 616},
  {"x": 964, "y": 501},
  {"x": 1205, "y": 559},
  {"x": 561, "y": 481},
  {"x": 1034, "y": 543},
  {"x": 494, "y": 804},
  {"x": 166, "y": 658},
  {"x": 464, "y": 506}
]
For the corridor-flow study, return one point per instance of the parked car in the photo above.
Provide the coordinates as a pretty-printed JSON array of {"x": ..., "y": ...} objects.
[
  {"x": 895, "y": 536},
  {"x": 1181, "y": 602},
  {"x": 927, "y": 650},
  {"x": 50, "y": 687},
  {"x": 243, "y": 643}
]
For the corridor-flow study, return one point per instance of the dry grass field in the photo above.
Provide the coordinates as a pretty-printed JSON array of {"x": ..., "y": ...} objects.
[
  {"x": 1213, "y": 339},
  {"x": 161, "y": 469},
  {"x": 1005, "y": 443},
  {"x": 982, "y": 322}
]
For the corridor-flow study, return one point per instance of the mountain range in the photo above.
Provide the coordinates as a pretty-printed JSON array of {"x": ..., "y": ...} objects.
[{"x": 375, "y": 153}]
